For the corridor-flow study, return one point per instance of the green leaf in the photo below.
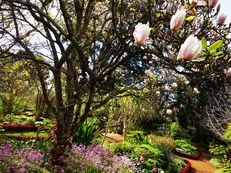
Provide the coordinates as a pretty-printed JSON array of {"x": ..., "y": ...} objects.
[
  {"x": 199, "y": 59},
  {"x": 190, "y": 18},
  {"x": 217, "y": 53},
  {"x": 204, "y": 43},
  {"x": 215, "y": 45}
]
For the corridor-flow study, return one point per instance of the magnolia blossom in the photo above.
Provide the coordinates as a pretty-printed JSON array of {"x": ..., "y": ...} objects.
[
  {"x": 174, "y": 85},
  {"x": 189, "y": 49},
  {"x": 191, "y": 1},
  {"x": 228, "y": 72},
  {"x": 177, "y": 19},
  {"x": 169, "y": 112},
  {"x": 149, "y": 73},
  {"x": 221, "y": 19},
  {"x": 158, "y": 93},
  {"x": 212, "y": 3},
  {"x": 141, "y": 33},
  {"x": 195, "y": 90}
]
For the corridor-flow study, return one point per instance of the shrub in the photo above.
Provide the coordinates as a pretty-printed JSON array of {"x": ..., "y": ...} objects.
[
  {"x": 162, "y": 140},
  {"x": 227, "y": 134},
  {"x": 220, "y": 158},
  {"x": 148, "y": 156},
  {"x": 120, "y": 148},
  {"x": 86, "y": 133},
  {"x": 185, "y": 146}
]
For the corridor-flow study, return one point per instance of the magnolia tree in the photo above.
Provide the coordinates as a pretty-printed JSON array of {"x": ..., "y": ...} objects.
[{"x": 88, "y": 47}]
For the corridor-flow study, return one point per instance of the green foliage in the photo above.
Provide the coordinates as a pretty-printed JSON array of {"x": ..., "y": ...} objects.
[
  {"x": 174, "y": 129},
  {"x": 86, "y": 133},
  {"x": 185, "y": 146},
  {"x": 166, "y": 142},
  {"x": 151, "y": 156},
  {"x": 135, "y": 136},
  {"x": 227, "y": 134},
  {"x": 17, "y": 119},
  {"x": 204, "y": 43},
  {"x": 176, "y": 165},
  {"x": 220, "y": 158},
  {"x": 219, "y": 151},
  {"x": 120, "y": 148},
  {"x": 215, "y": 46}
]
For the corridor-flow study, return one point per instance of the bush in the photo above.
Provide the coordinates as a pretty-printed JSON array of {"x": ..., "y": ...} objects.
[
  {"x": 185, "y": 147},
  {"x": 220, "y": 158},
  {"x": 227, "y": 134},
  {"x": 86, "y": 133},
  {"x": 161, "y": 140},
  {"x": 124, "y": 148}
]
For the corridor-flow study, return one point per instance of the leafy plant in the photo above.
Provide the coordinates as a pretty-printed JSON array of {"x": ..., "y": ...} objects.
[
  {"x": 86, "y": 133},
  {"x": 120, "y": 148},
  {"x": 185, "y": 146},
  {"x": 220, "y": 158}
]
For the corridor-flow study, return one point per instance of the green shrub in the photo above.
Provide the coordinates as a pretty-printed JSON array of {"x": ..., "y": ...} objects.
[
  {"x": 220, "y": 158},
  {"x": 120, "y": 148},
  {"x": 167, "y": 142},
  {"x": 86, "y": 133},
  {"x": 185, "y": 146},
  {"x": 175, "y": 165},
  {"x": 148, "y": 155},
  {"x": 135, "y": 136},
  {"x": 227, "y": 133}
]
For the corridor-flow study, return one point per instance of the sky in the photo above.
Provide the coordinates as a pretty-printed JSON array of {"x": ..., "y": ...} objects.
[{"x": 226, "y": 8}]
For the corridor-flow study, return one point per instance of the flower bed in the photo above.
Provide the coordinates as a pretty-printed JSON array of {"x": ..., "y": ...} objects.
[
  {"x": 191, "y": 156},
  {"x": 29, "y": 137},
  {"x": 187, "y": 167},
  {"x": 19, "y": 127}
]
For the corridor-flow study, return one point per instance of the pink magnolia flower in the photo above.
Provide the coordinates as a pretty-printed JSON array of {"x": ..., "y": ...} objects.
[
  {"x": 141, "y": 33},
  {"x": 212, "y": 3},
  {"x": 221, "y": 19},
  {"x": 189, "y": 49},
  {"x": 177, "y": 19}
]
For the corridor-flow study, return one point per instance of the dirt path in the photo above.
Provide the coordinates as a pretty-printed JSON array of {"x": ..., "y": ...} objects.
[{"x": 201, "y": 165}]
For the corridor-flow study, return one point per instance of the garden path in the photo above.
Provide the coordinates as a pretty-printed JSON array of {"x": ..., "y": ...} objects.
[{"x": 201, "y": 165}]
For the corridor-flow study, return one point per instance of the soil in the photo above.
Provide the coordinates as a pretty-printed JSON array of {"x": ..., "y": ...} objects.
[{"x": 200, "y": 165}]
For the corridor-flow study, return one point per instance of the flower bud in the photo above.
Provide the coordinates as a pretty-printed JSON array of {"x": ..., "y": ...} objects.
[
  {"x": 177, "y": 19},
  {"x": 218, "y": 8},
  {"x": 221, "y": 19},
  {"x": 141, "y": 33},
  {"x": 189, "y": 49}
]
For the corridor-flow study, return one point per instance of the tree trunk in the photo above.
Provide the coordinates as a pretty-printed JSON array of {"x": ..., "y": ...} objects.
[{"x": 62, "y": 143}]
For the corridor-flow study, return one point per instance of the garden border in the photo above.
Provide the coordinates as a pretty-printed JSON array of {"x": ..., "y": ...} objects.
[
  {"x": 187, "y": 167},
  {"x": 190, "y": 156}
]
